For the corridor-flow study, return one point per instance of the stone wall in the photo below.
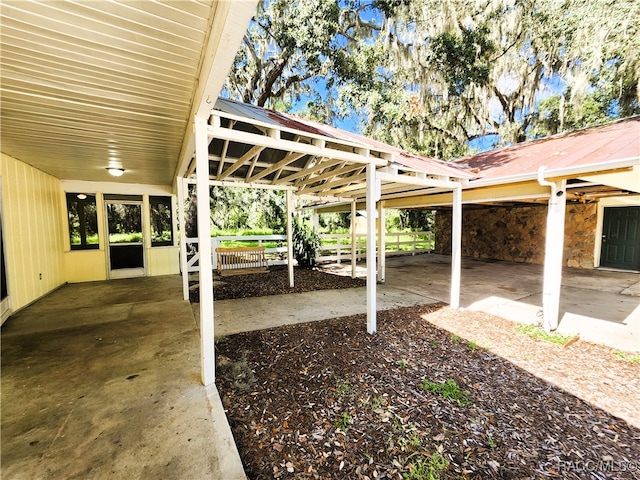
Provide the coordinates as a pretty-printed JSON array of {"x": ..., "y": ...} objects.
[{"x": 517, "y": 234}]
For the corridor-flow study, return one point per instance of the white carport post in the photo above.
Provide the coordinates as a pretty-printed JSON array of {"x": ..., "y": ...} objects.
[
  {"x": 207, "y": 353},
  {"x": 553, "y": 252},
  {"x": 456, "y": 254},
  {"x": 372, "y": 188},
  {"x": 183, "y": 238},
  {"x": 290, "y": 207},
  {"x": 354, "y": 239},
  {"x": 382, "y": 244}
]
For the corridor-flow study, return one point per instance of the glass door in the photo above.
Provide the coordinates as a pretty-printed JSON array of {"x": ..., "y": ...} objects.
[{"x": 126, "y": 247}]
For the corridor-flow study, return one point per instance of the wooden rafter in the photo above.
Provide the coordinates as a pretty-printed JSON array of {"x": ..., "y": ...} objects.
[
  {"x": 289, "y": 158},
  {"x": 253, "y": 151},
  {"x": 321, "y": 165},
  {"x": 223, "y": 155},
  {"x": 331, "y": 185},
  {"x": 331, "y": 174},
  {"x": 312, "y": 177},
  {"x": 216, "y": 131}
]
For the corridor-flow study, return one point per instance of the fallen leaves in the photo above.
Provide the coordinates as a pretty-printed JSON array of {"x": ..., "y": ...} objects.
[{"x": 331, "y": 401}]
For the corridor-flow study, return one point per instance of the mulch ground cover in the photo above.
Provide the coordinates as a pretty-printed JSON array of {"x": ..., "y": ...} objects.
[
  {"x": 415, "y": 401},
  {"x": 274, "y": 282}
]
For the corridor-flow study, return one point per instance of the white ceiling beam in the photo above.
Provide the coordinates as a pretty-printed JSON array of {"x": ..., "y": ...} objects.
[
  {"x": 223, "y": 156},
  {"x": 253, "y": 151},
  {"x": 289, "y": 158},
  {"x": 332, "y": 185},
  {"x": 227, "y": 25},
  {"x": 262, "y": 186},
  {"x": 412, "y": 180},
  {"x": 307, "y": 170},
  {"x": 329, "y": 175},
  {"x": 290, "y": 146},
  {"x": 315, "y": 176}
]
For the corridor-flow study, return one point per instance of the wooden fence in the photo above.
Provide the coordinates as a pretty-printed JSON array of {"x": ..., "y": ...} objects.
[{"x": 334, "y": 248}]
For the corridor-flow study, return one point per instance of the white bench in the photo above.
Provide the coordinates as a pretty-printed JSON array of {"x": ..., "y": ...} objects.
[{"x": 241, "y": 260}]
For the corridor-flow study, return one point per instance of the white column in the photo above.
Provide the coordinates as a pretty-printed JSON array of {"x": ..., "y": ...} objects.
[
  {"x": 371, "y": 248},
  {"x": 183, "y": 238},
  {"x": 456, "y": 249},
  {"x": 204, "y": 248},
  {"x": 315, "y": 221},
  {"x": 354, "y": 239},
  {"x": 290, "y": 236},
  {"x": 382, "y": 244},
  {"x": 554, "y": 246}
]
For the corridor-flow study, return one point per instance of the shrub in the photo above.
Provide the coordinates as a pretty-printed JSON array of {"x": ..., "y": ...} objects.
[{"x": 306, "y": 243}]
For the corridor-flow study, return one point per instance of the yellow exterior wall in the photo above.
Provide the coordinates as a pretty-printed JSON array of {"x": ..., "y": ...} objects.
[
  {"x": 33, "y": 233},
  {"x": 85, "y": 265},
  {"x": 163, "y": 261}
]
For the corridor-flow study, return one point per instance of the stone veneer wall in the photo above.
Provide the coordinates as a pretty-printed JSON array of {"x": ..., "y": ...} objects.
[{"x": 517, "y": 234}]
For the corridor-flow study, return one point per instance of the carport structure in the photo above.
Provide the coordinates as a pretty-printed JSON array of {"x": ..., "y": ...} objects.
[
  {"x": 91, "y": 88},
  {"x": 245, "y": 146}
]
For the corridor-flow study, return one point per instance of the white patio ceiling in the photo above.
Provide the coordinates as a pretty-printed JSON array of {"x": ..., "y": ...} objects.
[{"x": 88, "y": 85}]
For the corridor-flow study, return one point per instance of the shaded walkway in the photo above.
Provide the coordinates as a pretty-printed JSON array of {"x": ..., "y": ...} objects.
[
  {"x": 602, "y": 306},
  {"x": 102, "y": 380}
]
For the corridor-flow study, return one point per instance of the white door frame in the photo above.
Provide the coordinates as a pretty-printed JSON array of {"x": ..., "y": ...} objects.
[{"x": 125, "y": 272}]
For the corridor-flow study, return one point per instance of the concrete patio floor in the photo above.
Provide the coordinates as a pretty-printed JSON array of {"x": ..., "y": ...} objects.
[
  {"x": 102, "y": 380},
  {"x": 602, "y": 306}
]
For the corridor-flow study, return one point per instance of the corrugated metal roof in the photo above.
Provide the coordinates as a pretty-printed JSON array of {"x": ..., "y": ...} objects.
[{"x": 591, "y": 146}]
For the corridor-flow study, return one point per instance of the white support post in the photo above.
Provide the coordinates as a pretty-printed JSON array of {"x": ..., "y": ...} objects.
[
  {"x": 207, "y": 351},
  {"x": 554, "y": 246},
  {"x": 183, "y": 238},
  {"x": 290, "y": 237},
  {"x": 354, "y": 239},
  {"x": 456, "y": 249},
  {"x": 315, "y": 222},
  {"x": 382, "y": 244},
  {"x": 371, "y": 248}
]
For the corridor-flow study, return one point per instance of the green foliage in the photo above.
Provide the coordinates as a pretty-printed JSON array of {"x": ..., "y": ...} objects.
[
  {"x": 427, "y": 468},
  {"x": 402, "y": 364},
  {"x": 410, "y": 220},
  {"x": 463, "y": 58},
  {"x": 540, "y": 334},
  {"x": 343, "y": 421},
  {"x": 448, "y": 389},
  {"x": 472, "y": 346},
  {"x": 431, "y": 75},
  {"x": 628, "y": 357},
  {"x": 377, "y": 402},
  {"x": 305, "y": 244},
  {"x": 335, "y": 222}
]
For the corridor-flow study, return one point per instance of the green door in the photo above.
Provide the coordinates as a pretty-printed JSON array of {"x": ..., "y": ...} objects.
[{"x": 621, "y": 238}]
